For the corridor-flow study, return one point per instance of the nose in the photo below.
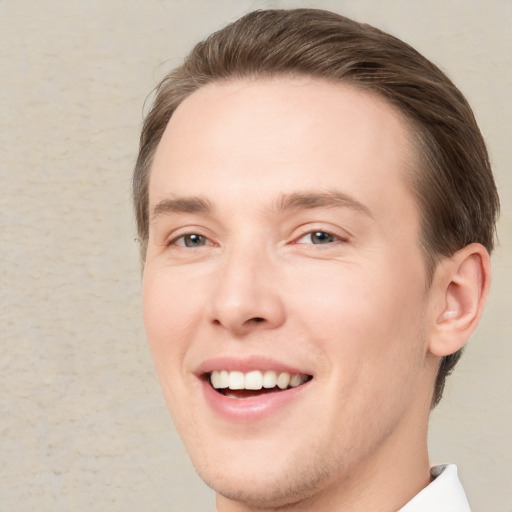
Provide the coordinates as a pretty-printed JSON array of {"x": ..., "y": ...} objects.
[{"x": 247, "y": 295}]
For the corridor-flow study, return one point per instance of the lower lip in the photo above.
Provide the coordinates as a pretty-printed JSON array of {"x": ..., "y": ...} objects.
[{"x": 253, "y": 408}]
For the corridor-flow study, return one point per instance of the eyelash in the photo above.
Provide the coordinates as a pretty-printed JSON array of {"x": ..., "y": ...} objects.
[
  {"x": 315, "y": 232},
  {"x": 186, "y": 236},
  {"x": 331, "y": 239}
]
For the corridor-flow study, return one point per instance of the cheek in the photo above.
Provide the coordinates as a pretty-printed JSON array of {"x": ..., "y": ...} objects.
[
  {"x": 363, "y": 318},
  {"x": 370, "y": 333},
  {"x": 169, "y": 312}
]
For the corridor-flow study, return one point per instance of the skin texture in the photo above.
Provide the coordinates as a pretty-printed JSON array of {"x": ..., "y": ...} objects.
[{"x": 354, "y": 312}]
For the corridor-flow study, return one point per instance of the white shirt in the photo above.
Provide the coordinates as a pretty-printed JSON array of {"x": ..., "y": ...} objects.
[{"x": 444, "y": 494}]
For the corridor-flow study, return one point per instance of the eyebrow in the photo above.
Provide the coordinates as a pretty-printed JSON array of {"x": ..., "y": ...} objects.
[
  {"x": 181, "y": 205},
  {"x": 330, "y": 199},
  {"x": 285, "y": 202}
]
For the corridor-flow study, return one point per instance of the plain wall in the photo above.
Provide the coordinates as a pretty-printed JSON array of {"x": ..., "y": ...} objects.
[{"x": 82, "y": 424}]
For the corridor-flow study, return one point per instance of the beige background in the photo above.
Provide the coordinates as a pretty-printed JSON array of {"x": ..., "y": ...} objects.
[{"x": 82, "y": 423}]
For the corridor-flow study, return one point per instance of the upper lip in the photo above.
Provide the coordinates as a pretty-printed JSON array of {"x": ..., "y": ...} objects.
[{"x": 247, "y": 364}]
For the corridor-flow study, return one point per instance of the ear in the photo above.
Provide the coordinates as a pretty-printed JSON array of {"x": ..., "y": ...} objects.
[{"x": 461, "y": 285}]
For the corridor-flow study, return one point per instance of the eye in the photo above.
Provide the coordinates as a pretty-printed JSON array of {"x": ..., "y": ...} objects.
[
  {"x": 191, "y": 240},
  {"x": 317, "y": 238}
]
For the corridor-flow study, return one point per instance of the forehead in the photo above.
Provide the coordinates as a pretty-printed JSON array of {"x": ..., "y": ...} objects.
[{"x": 280, "y": 135}]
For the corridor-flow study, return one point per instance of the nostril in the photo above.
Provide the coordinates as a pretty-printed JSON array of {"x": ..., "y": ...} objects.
[{"x": 258, "y": 319}]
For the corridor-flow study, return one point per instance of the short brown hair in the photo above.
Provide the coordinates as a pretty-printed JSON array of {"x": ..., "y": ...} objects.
[{"x": 454, "y": 185}]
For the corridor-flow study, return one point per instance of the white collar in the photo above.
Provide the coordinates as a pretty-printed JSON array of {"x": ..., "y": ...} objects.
[{"x": 444, "y": 494}]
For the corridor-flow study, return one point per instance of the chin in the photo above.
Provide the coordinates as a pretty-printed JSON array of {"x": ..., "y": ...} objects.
[
  {"x": 265, "y": 491},
  {"x": 267, "y": 482}
]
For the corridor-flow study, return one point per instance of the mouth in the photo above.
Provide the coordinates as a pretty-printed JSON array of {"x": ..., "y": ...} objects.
[{"x": 244, "y": 385}]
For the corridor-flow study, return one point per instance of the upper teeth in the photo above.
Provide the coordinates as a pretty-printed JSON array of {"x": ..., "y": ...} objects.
[{"x": 255, "y": 379}]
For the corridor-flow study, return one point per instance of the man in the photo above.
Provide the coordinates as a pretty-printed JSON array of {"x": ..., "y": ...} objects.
[{"x": 316, "y": 210}]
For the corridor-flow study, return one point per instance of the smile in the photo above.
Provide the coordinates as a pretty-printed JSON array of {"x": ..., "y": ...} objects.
[
  {"x": 224, "y": 380},
  {"x": 252, "y": 388}
]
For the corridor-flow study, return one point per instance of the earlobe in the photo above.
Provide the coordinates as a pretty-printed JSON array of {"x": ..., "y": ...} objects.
[{"x": 462, "y": 283}]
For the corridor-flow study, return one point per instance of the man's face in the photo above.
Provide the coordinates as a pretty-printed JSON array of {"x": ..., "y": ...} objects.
[{"x": 284, "y": 240}]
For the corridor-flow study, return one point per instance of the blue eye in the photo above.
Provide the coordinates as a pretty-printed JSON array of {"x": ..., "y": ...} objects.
[
  {"x": 191, "y": 240},
  {"x": 317, "y": 238}
]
